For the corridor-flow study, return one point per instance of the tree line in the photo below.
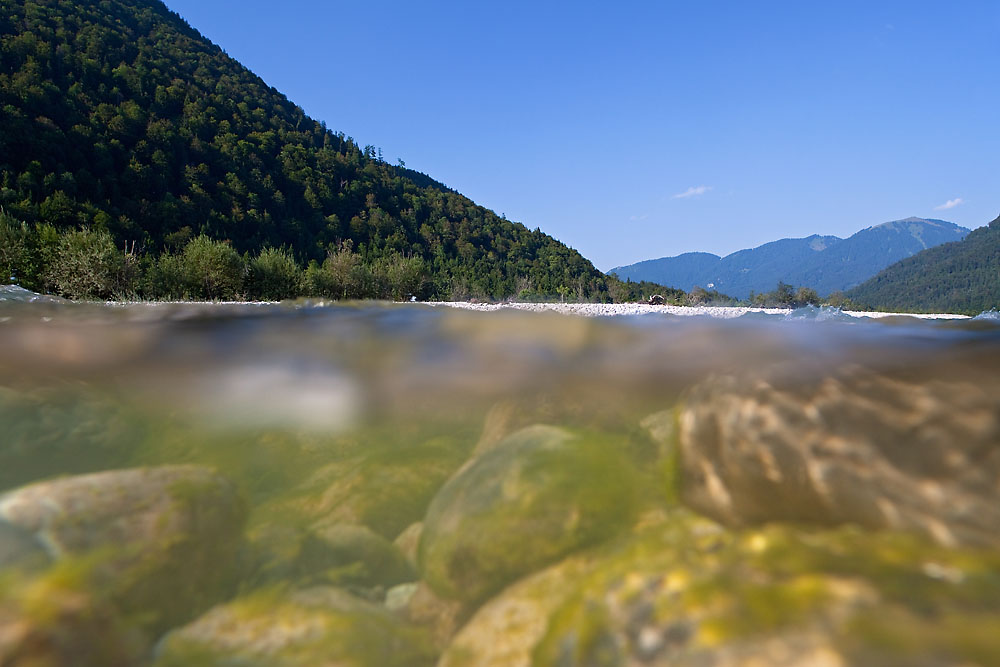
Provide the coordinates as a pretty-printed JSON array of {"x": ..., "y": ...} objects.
[{"x": 88, "y": 263}]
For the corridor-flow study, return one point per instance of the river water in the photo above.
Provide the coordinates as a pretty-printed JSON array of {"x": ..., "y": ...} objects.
[{"x": 360, "y": 414}]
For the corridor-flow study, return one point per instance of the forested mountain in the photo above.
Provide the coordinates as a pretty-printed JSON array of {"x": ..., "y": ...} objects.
[
  {"x": 118, "y": 116},
  {"x": 824, "y": 263},
  {"x": 961, "y": 277},
  {"x": 689, "y": 269}
]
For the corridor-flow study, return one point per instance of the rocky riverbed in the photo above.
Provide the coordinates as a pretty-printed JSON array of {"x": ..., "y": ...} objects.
[{"x": 372, "y": 484}]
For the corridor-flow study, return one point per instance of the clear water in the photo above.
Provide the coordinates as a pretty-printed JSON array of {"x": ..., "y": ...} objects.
[{"x": 269, "y": 394}]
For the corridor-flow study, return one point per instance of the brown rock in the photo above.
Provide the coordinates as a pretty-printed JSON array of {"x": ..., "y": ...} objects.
[{"x": 871, "y": 449}]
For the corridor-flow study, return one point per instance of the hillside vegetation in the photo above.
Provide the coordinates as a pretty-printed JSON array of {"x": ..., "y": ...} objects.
[
  {"x": 961, "y": 277},
  {"x": 119, "y": 117}
]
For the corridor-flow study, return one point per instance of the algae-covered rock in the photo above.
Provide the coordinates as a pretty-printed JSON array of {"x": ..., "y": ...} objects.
[
  {"x": 53, "y": 620},
  {"x": 533, "y": 498},
  {"x": 358, "y": 555},
  {"x": 343, "y": 555},
  {"x": 440, "y": 617},
  {"x": 691, "y": 593},
  {"x": 384, "y": 487},
  {"x": 161, "y": 541},
  {"x": 876, "y": 450},
  {"x": 316, "y": 626},
  {"x": 505, "y": 630}
]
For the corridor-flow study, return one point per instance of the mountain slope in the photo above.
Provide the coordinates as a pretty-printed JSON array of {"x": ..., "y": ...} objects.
[
  {"x": 961, "y": 277},
  {"x": 760, "y": 269},
  {"x": 825, "y": 263},
  {"x": 120, "y": 116},
  {"x": 860, "y": 256},
  {"x": 686, "y": 269}
]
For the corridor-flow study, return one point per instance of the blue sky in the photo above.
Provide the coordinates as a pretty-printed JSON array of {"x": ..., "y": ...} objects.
[{"x": 635, "y": 130}]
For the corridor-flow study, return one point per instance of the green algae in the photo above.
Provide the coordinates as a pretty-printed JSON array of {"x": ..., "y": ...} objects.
[
  {"x": 871, "y": 594},
  {"x": 316, "y": 626},
  {"x": 520, "y": 507}
]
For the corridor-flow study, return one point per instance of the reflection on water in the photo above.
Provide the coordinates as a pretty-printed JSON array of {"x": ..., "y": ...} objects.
[{"x": 381, "y": 484}]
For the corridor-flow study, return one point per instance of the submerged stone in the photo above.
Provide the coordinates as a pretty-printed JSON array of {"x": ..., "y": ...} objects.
[
  {"x": 353, "y": 557},
  {"x": 160, "y": 542},
  {"x": 358, "y": 555},
  {"x": 408, "y": 541},
  {"x": 861, "y": 447},
  {"x": 49, "y": 621},
  {"x": 316, "y": 626},
  {"x": 505, "y": 630},
  {"x": 438, "y": 616},
  {"x": 386, "y": 489},
  {"x": 690, "y": 593},
  {"x": 20, "y": 548},
  {"x": 538, "y": 495}
]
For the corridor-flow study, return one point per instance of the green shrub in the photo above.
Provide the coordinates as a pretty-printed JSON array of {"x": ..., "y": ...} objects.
[
  {"x": 165, "y": 278},
  {"x": 88, "y": 265},
  {"x": 15, "y": 250},
  {"x": 273, "y": 275},
  {"x": 402, "y": 277},
  {"x": 212, "y": 270}
]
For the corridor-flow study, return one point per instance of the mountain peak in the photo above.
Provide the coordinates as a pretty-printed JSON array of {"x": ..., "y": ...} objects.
[{"x": 825, "y": 263}]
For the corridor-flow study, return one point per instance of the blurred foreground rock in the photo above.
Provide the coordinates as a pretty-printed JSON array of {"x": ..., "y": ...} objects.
[
  {"x": 316, "y": 626},
  {"x": 160, "y": 543},
  {"x": 871, "y": 449}
]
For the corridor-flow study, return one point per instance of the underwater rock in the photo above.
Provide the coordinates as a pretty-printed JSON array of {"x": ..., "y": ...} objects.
[
  {"x": 441, "y": 618},
  {"x": 160, "y": 542},
  {"x": 691, "y": 593},
  {"x": 538, "y": 495},
  {"x": 20, "y": 548},
  {"x": 860, "y": 447},
  {"x": 398, "y": 597},
  {"x": 408, "y": 541},
  {"x": 353, "y": 557},
  {"x": 316, "y": 626},
  {"x": 384, "y": 490},
  {"x": 357, "y": 555},
  {"x": 504, "y": 631},
  {"x": 46, "y": 622}
]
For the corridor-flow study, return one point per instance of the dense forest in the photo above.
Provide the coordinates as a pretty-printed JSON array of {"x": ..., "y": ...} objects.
[
  {"x": 122, "y": 122},
  {"x": 960, "y": 277}
]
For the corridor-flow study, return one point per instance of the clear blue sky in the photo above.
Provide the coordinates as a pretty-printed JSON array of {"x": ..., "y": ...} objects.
[{"x": 635, "y": 130}]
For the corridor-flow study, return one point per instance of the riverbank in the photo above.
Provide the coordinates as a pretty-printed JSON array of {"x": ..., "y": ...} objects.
[{"x": 618, "y": 309}]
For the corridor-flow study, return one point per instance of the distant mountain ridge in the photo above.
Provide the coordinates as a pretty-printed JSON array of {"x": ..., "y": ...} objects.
[
  {"x": 961, "y": 277},
  {"x": 824, "y": 263}
]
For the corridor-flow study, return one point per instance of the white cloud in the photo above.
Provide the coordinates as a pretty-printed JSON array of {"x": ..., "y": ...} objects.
[
  {"x": 951, "y": 203},
  {"x": 692, "y": 192}
]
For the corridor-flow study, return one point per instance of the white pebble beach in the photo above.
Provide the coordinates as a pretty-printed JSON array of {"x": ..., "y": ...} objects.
[{"x": 616, "y": 309}]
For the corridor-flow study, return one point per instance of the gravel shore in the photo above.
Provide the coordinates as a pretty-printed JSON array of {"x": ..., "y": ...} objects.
[{"x": 615, "y": 309}]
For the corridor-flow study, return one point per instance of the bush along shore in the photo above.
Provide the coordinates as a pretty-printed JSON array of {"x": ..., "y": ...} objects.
[{"x": 87, "y": 263}]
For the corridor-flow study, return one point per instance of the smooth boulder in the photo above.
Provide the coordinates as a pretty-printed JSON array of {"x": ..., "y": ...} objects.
[
  {"x": 315, "y": 626},
  {"x": 160, "y": 542},
  {"x": 540, "y": 494}
]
